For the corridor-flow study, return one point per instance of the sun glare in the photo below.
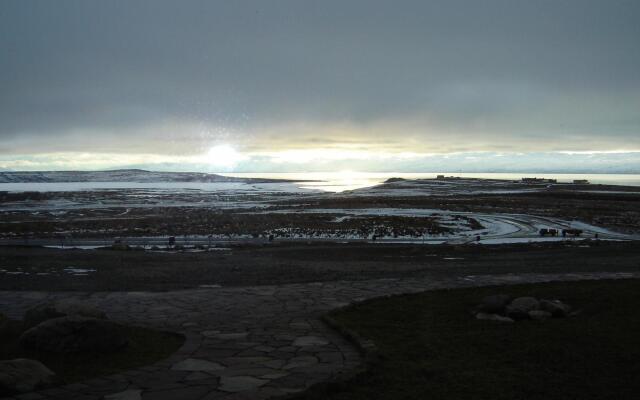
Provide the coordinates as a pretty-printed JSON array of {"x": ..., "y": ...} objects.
[
  {"x": 301, "y": 156},
  {"x": 223, "y": 156}
]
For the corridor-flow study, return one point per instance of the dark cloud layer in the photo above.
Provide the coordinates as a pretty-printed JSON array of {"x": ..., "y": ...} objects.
[{"x": 89, "y": 75}]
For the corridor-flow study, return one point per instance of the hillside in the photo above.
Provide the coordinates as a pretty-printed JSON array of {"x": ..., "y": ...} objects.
[{"x": 122, "y": 175}]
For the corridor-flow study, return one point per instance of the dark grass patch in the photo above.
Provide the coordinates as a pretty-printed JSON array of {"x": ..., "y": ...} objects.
[
  {"x": 431, "y": 347},
  {"x": 282, "y": 263},
  {"x": 145, "y": 347}
]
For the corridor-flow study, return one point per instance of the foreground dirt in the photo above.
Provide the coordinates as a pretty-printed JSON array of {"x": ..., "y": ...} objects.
[
  {"x": 250, "y": 342},
  {"x": 34, "y": 268}
]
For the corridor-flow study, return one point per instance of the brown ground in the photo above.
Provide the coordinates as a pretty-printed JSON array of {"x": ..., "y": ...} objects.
[
  {"x": 613, "y": 207},
  {"x": 177, "y": 221},
  {"x": 43, "y": 269},
  {"x": 617, "y": 211}
]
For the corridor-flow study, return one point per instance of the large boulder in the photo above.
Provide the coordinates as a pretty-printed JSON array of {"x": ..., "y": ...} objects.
[
  {"x": 62, "y": 308},
  {"x": 75, "y": 334},
  {"x": 539, "y": 315},
  {"x": 39, "y": 314},
  {"x": 23, "y": 375},
  {"x": 493, "y": 317},
  {"x": 520, "y": 307},
  {"x": 555, "y": 307},
  {"x": 495, "y": 304},
  {"x": 75, "y": 307}
]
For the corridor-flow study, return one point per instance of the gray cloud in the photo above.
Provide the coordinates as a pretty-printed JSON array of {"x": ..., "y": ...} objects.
[{"x": 173, "y": 76}]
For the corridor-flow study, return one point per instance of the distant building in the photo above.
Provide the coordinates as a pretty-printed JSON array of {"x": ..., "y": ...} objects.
[
  {"x": 581, "y": 181},
  {"x": 447, "y": 178},
  {"x": 538, "y": 180}
]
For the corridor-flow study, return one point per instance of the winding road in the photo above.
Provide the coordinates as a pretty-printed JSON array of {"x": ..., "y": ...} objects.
[{"x": 498, "y": 229}]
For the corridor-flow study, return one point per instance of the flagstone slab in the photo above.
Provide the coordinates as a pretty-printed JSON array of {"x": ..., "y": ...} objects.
[
  {"x": 131, "y": 394},
  {"x": 304, "y": 341},
  {"x": 243, "y": 342},
  {"x": 194, "y": 364},
  {"x": 240, "y": 383}
]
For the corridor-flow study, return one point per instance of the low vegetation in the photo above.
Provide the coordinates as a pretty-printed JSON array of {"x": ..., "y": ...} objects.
[
  {"x": 145, "y": 346},
  {"x": 431, "y": 346},
  {"x": 102, "y": 223}
]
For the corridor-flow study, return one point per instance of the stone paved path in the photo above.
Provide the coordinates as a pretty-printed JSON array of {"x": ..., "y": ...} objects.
[{"x": 242, "y": 342}]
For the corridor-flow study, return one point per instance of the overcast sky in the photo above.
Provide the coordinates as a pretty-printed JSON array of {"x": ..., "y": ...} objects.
[{"x": 303, "y": 85}]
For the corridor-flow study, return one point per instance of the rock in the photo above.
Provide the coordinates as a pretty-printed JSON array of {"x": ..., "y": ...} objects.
[
  {"x": 276, "y": 375},
  {"x": 539, "y": 315},
  {"x": 517, "y": 315},
  {"x": 301, "y": 361},
  {"x": 520, "y": 307},
  {"x": 240, "y": 383},
  {"x": 232, "y": 336},
  {"x": 38, "y": 314},
  {"x": 75, "y": 334},
  {"x": 495, "y": 304},
  {"x": 129, "y": 394},
  {"x": 492, "y": 317},
  {"x": 525, "y": 303},
  {"x": 304, "y": 341},
  {"x": 557, "y": 308},
  {"x": 197, "y": 376},
  {"x": 74, "y": 307},
  {"x": 62, "y": 308},
  {"x": 195, "y": 364},
  {"x": 574, "y": 313},
  {"x": 23, "y": 375}
]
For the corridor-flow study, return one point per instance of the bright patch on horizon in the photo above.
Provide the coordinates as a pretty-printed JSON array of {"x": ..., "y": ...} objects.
[
  {"x": 302, "y": 156},
  {"x": 342, "y": 162},
  {"x": 223, "y": 156}
]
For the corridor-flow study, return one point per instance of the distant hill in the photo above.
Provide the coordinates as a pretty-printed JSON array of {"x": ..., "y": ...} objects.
[{"x": 120, "y": 175}]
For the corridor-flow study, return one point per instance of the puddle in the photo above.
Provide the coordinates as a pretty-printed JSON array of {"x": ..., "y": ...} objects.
[
  {"x": 69, "y": 247},
  {"x": 78, "y": 271}
]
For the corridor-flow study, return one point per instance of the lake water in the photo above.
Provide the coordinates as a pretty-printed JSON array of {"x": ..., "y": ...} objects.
[
  {"x": 317, "y": 181},
  {"x": 340, "y": 181}
]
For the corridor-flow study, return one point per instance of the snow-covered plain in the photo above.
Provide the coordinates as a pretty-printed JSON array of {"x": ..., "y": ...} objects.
[
  {"x": 498, "y": 228},
  {"x": 253, "y": 197},
  {"x": 238, "y": 187}
]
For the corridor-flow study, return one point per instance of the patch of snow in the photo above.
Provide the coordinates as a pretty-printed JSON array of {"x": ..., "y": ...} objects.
[
  {"x": 78, "y": 271},
  {"x": 82, "y": 247}
]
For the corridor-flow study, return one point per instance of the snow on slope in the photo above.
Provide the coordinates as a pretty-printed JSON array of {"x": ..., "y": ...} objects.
[{"x": 123, "y": 175}]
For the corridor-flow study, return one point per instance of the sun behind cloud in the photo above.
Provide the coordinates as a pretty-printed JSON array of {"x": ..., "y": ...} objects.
[{"x": 223, "y": 155}]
